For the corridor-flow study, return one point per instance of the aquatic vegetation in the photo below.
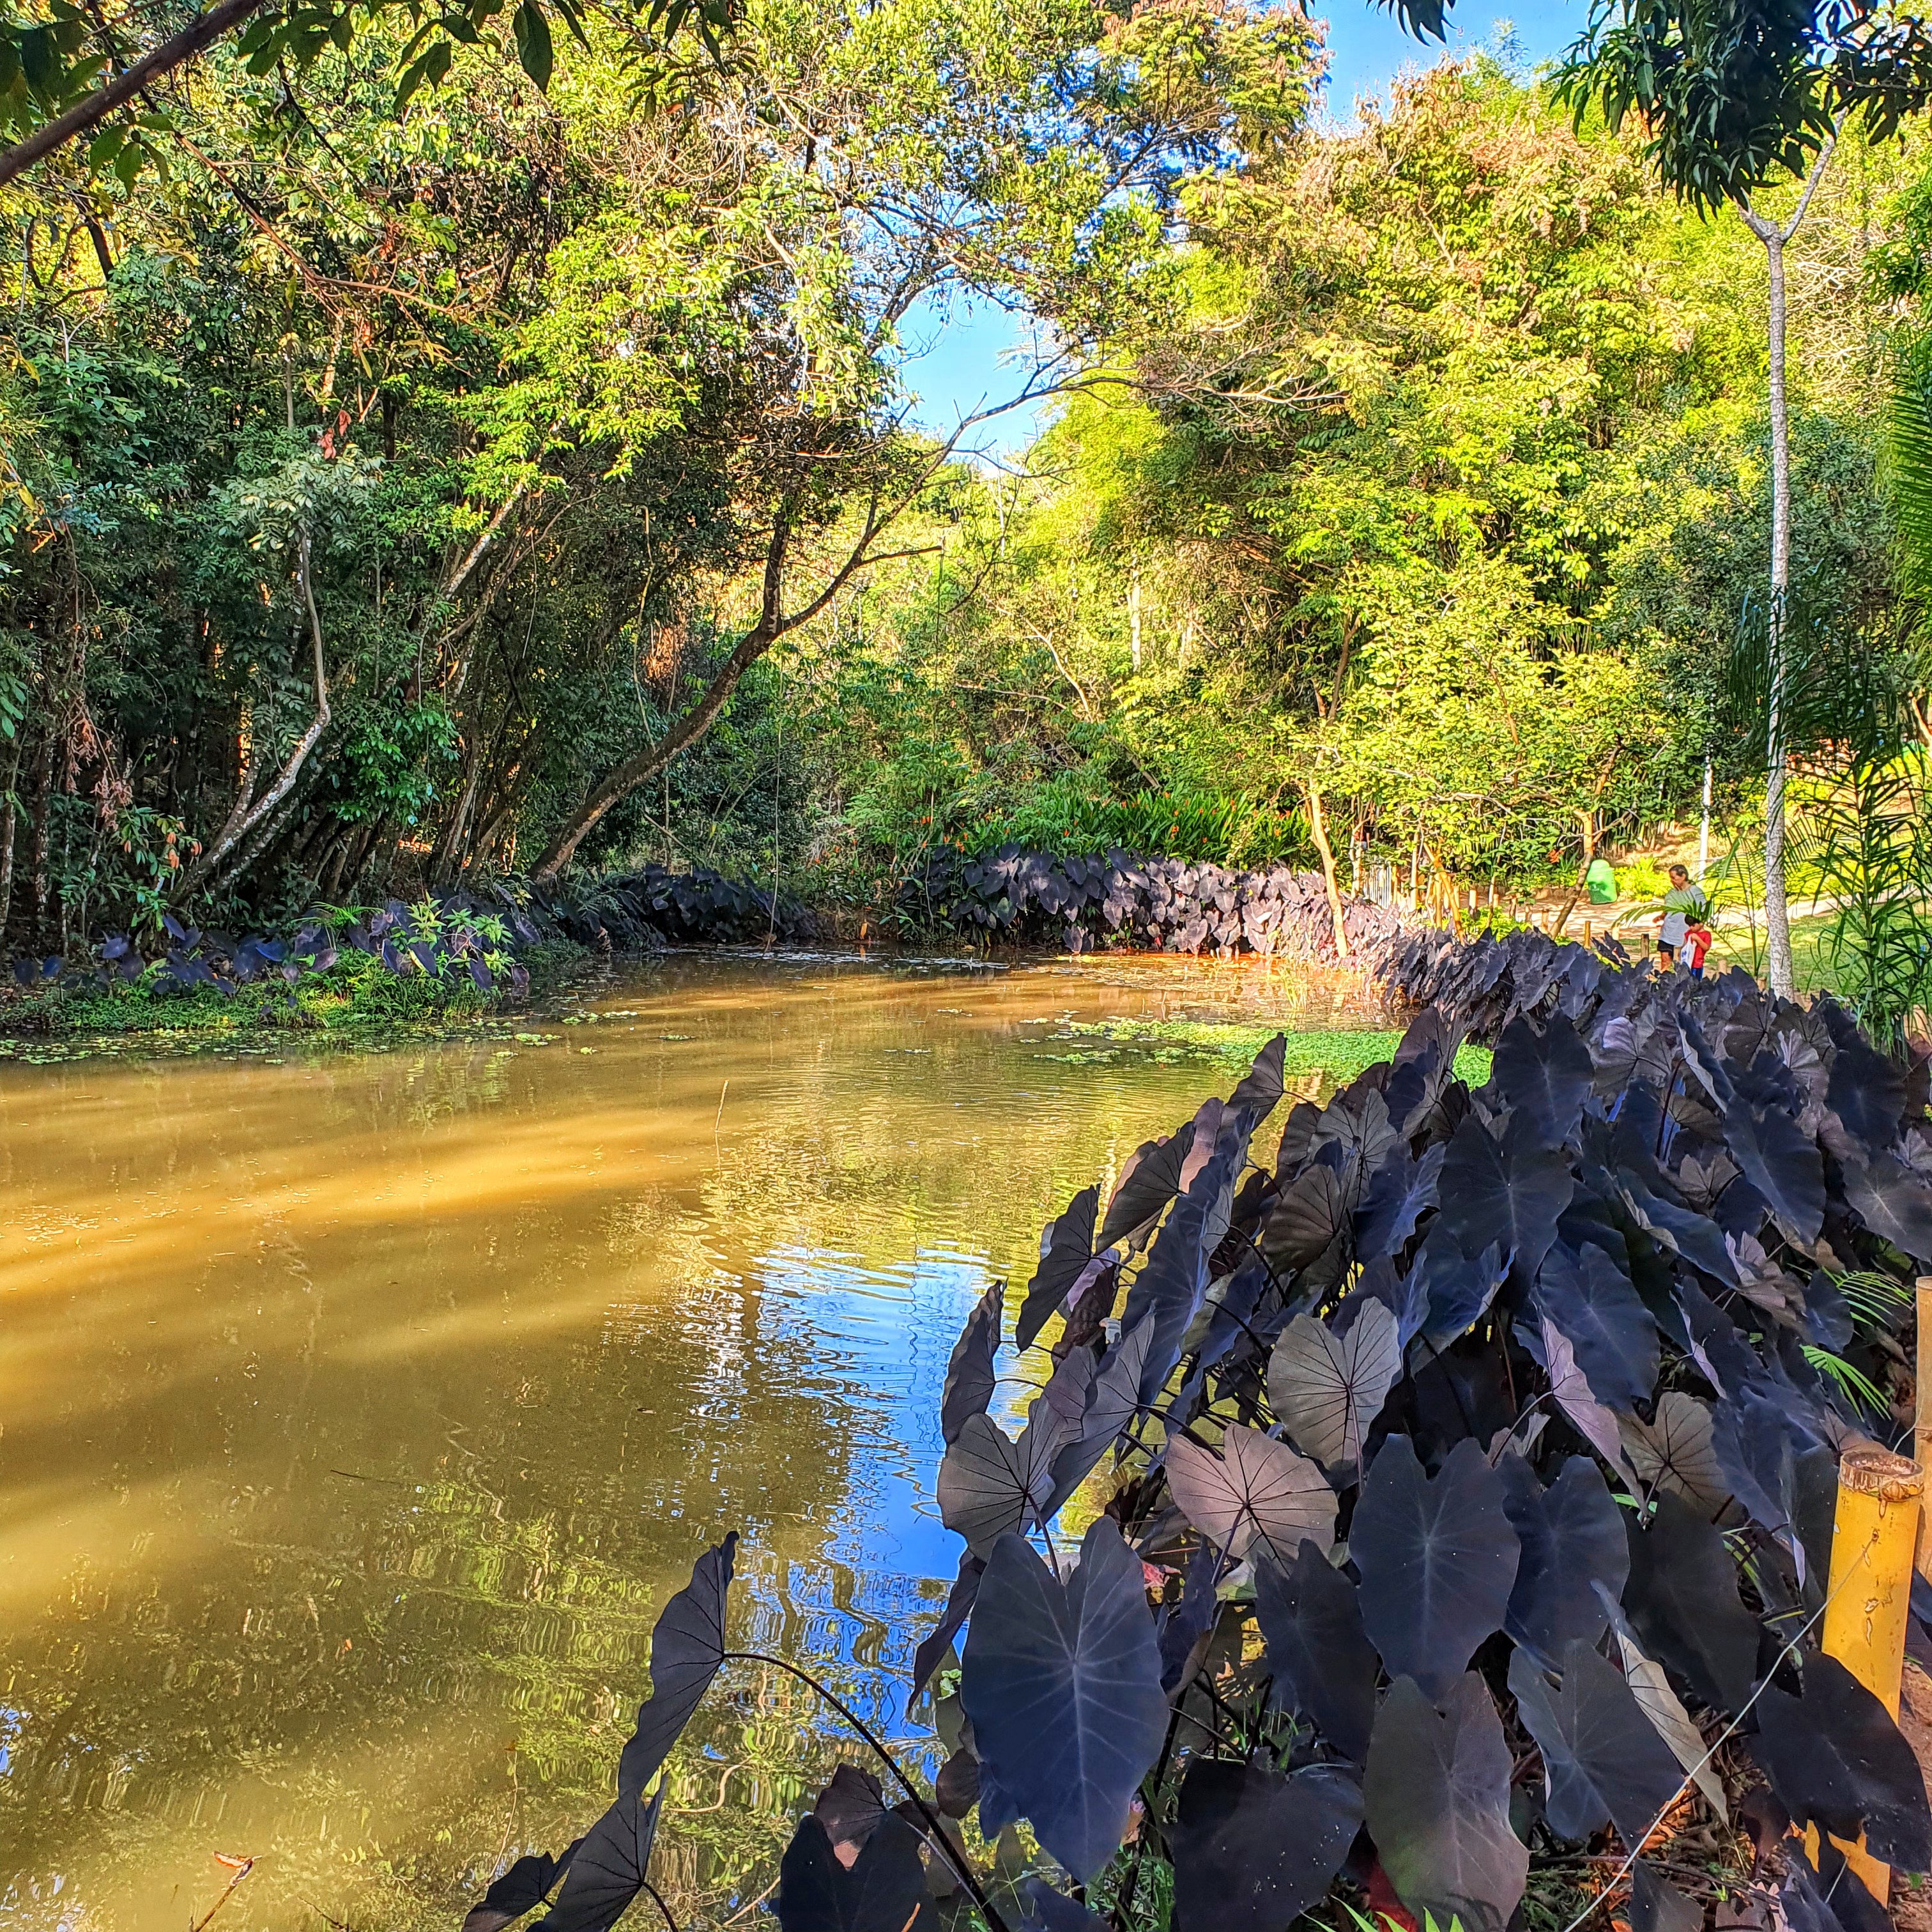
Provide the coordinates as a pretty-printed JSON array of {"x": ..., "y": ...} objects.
[
  {"x": 398, "y": 963},
  {"x": 1466, "y": 1469}
]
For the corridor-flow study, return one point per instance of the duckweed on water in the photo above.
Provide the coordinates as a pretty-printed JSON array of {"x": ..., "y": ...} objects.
[{"x": 1340, "y": 1053}]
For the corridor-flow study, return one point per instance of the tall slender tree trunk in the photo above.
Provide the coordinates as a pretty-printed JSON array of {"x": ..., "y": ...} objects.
[
  {"x": 1777, "y": 914},
  {"x": 1318, "y": 827}
]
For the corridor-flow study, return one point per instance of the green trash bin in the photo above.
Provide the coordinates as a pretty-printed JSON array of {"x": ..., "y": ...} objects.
[{"x": 1602, "y": 881}]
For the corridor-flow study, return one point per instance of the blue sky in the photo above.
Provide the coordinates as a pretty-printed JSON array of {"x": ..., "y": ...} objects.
[{"x": 954, "y": 355}]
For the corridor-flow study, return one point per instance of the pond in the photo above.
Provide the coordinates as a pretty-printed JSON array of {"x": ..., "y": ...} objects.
[{"x": 360, "y": 1412}]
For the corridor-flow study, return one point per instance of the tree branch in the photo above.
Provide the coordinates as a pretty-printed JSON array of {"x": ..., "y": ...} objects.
[{"x": 195, "y": 38}]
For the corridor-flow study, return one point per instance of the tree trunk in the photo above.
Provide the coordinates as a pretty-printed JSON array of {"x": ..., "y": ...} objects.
[
  {"x": 1318, "y": 827},
  {"x": 1778, "y": 922},
  {"x": 43, "y": 783},
  {"x": 246, "y": 818},
  {"x": 9, "y": 817}
]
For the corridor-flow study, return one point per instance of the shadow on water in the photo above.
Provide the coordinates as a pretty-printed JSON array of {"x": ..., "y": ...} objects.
[{"x": 359, "y": 1414}]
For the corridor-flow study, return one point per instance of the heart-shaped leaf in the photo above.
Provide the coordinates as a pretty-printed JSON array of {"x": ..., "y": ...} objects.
[
  {"x": 1543, "y": 1076},
  {"x": 1592, "y": 1300},
  {"x": 525, "y": 1886},
  {"x": 607, "y": 1870},
  {"x": 1252, "y": 1849},
  {"x": 1324, "y": 1665},
  {"x": 1782, "y": 1165},
  {"x": 1436, "y": 1793},
  {"x": 883, "y": 1891},
  {"x": 1505, "y": 1194},
  {"x": 1260, "y": 1089},
  {"x": 1327, "y": 1389},
  {"x": 687, "y": 1652},
  {"x": 1256, "y": 1491},
  {"x": 1437, "y": 1561},
  {"x": 1062, "y": 1684},
  {"x": 1835, "y": 1758},
  {"x": 1674, "y": 1451},
  {"x": 970, "y": 1381},
  {"x": 1683, "y": 1603},
  {"x": 1602, "y": 1757},
  {"x": 1151, "y": 1179},
  {"x": 1401, "y": 1192},
  {"x": 1572, "y": 1534},
  {"x": 989, "y": 1484},
  {"x": 1065, "y": 1247},
  {"x": 850, "y": 1808}
]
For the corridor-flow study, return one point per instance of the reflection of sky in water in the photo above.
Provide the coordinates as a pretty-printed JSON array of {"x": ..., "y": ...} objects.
[
  {"x": 360, "y": 1415},
  {"x": 882, "y": 1336}
]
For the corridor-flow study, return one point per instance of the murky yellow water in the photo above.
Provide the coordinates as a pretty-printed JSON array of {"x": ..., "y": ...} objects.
[{"x": 358, "y": 1415}]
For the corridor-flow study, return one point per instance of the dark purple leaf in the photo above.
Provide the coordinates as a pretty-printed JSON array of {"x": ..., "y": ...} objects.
[
  {"x": 1256, "y": 1493},
  {"x": 1682, "y": 1601},
  {"x": 884, "y": 1891},
  {"x": 1602, "y": 1318},
  {"x": 1505, "y": 1194},
  {"x": 1437, "y": 1560},
  {"x": 1656, "y": 1905},
  {"x": 1183, "y": 1624},
  {"x": 926, "y": 1660},
  {"x": 1324, "y": 1665},
  {"x": 970, "y": 1381},
  {"x": 1572, "y": 1540},
  {"x": 1782, "y": 1165},
  {"x": 687, "y": 1652},
  {"x": 1835, "y": 1758},
  {"x": 1260, "y": 1089},
  {"x": 1252, "y": 1849},
  {"x": 849, "y": 1807},
  {"x": 1829, "y": 1897},
  {"x": 1543, "y": 1076},
  {"x": 607, "y": 1870},
  {"x": 1895, "y": 1203},
  {"x": 1600, "y": 1756},
  {"x": 1401, "y": 1191},
  {"x": 525, "y": 1886},
  {"x": 1151, "y": 1179},
  {"x": 1065, "y": 1247},
  {"x": 1437, "y": 1792},
  {"x": 1062, "y": 1684}
]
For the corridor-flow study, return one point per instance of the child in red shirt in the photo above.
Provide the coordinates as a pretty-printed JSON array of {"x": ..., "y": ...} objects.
[{"x": 1696, "y": 943}]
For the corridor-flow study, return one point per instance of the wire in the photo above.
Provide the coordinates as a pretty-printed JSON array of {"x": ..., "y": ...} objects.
[{"x": 1723, "y": 1736}]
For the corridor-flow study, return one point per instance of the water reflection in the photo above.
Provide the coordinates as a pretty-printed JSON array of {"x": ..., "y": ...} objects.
[{"x": 357, "y": 1415}]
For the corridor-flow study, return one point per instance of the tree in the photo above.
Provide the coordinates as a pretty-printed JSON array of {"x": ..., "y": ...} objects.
[
  {"x": 73, "y": 72},
  {"x": 1734, "y": 96}
]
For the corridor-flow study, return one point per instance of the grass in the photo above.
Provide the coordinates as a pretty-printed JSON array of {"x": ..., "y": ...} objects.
[
  {"x": 1340, "y": 1054},
  {"x": 1811, "y": 964}
]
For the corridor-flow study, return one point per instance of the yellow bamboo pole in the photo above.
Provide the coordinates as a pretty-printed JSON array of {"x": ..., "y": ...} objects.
[
  {"x": 1921, "y": 1416},
  {"x": 1874, "y": 1539}
]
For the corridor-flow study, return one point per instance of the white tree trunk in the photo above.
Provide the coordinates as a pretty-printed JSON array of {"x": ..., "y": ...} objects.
[{"x": 1777, "y": 923}]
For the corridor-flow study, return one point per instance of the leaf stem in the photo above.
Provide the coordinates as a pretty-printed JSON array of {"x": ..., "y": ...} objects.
[{"x": 957, "y": 1860}]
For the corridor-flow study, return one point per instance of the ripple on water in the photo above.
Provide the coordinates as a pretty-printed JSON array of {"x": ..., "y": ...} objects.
[{"x": 361, "y": 1413}]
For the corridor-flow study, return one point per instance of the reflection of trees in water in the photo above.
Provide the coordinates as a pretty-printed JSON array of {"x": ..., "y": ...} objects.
[{"x": 377, "y": 1685}]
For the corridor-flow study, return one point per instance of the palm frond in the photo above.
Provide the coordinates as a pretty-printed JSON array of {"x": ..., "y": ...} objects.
[
  {"x": 1875, "y": 1299},
  {"x": 1854, "y": 1382},
  {"x": 1908, "y": 464}
]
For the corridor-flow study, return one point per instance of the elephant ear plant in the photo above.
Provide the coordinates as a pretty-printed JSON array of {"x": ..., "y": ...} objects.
[{"x": 1417, "y": 1510}]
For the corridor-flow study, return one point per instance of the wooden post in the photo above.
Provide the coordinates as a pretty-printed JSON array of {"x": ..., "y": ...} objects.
[{"x": 1874, "y": 1536}]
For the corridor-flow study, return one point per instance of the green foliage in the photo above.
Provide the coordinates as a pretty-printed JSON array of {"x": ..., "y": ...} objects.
[{"x": 1732, "y": 94}]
